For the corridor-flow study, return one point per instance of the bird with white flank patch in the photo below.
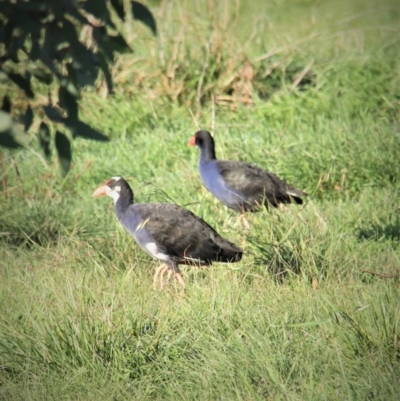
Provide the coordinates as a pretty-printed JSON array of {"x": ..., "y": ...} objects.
[
  {"x": 168, "y": 232},
  {"x": 241, "y": 186}
]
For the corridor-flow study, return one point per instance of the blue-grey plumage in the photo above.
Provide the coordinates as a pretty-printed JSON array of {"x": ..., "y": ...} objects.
[
  {"x": 240, "y": 186},
  {"x": 168, "y": 232}
]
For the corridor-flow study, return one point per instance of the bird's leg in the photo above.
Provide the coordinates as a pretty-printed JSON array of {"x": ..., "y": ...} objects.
[
  {"x": 175, "y": 269},
  {"x": 158, "y": 271},
  {"x": 162, "y": 272},
  {"x": 169, "y": 274}
]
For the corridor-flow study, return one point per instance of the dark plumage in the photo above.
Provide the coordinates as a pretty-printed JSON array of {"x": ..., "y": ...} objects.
[
  {"x": 168, "y": 232},
  {"x": 240, "y": 186}
]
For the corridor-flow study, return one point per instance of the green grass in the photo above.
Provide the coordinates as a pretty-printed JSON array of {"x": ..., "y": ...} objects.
[{"x": 313, "y": 310}]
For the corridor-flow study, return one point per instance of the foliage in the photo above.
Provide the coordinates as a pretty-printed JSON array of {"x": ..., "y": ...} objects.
[{"x": 63, "y": 45}]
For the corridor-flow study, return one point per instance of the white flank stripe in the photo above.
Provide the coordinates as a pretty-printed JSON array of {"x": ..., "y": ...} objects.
[{"x": 153, "y": 251}]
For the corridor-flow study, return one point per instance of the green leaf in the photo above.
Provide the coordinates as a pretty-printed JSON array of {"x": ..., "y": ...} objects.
[
  {"x": 79, "y": 128},
  {"x": 6, "y": 104},
  {"x": 109, "y": 44},
  {"x": 8, "y": 32},
  {"x": 8, "y": 141},
  {"x": 11, "y": 133},
  {"x": 17, "y": 43},
  {"x": 143, "y": 14},
  {"x": 19, "y": 134},
  {"x": 27, "y": 118},
  {"x": 87, "y": 77},
  {"x": 69, "y": 31},
  {"x": 49, "y": 47},
  {"x": 98, "y": 8},
  {"x": 44, "y": 139},
  {"x": 84, "y": 69},
  {"x": 5, "y": 121},
  {"x": 68, "y": 102},
  {"x": 53, "y": 114},
  {"x": 7, "y": 9},
  {"x": 118, "y": 6},
  {"x": 34, "y": 53},
  {"x": 70, "y": 81},
  {"x": 74, "y": 12},
  {"x": 106, "y": 72},
  {"x": 53, "y": 68},
  {"x": 34, "y": 7},
  {"x": 72, "y": 89},
  {"x": 63, "y": 147},
  {"x": 28, "y": 22},
  {"x": 118, "y": 43},
  {"x": 23, "y": 82},
  {"x": 100, "y": 36},
  {"x": 41, "y": 75}
]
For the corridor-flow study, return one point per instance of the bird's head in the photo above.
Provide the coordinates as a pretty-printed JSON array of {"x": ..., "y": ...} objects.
[
  {"x": 111, "y": 188},
  {"x": 200, "y": 138}
]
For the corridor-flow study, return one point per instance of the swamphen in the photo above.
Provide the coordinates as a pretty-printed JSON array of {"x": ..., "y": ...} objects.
[
  {"x": 168, "y": 232},
  {"x": 240, "y": 186}
]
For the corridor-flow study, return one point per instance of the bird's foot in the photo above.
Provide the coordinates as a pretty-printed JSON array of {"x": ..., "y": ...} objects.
[{"x": 160, "y": 272}]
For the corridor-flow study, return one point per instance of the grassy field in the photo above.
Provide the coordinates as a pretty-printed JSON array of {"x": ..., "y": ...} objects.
[{"x": 308, "y": 90}]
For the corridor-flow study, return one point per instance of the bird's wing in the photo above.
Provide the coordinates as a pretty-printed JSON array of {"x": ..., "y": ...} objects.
[
  {"x": 253, "y": 182},
  {"x": 182, "y": 234}
]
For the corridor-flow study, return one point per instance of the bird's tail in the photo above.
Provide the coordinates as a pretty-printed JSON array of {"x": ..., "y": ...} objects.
[
  {"x": 230, "y": 252},
  {"x": 296, "y": 194}
]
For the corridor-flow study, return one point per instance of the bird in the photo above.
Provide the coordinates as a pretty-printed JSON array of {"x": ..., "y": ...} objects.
[
  {"x": 168, "y": 232},
  {"x": 241, "y": 186}
]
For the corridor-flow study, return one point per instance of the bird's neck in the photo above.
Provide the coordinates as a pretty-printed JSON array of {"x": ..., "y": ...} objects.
[
  {"x": 124, "y": 201},
  {"x": 207, "y": 154}
]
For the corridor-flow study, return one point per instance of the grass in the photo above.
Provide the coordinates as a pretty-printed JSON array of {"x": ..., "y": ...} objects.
[{"x": 312, "y": 311}]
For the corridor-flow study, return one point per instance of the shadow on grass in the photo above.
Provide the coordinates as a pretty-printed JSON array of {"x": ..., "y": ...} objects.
[
  {"x": 280, "y": 261},
  {"x": 380, "y": 231},
  {"x": 288, "y": 254},
  {"x": 41, "y": 225},
  {"x": 19, "y": 234}
]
